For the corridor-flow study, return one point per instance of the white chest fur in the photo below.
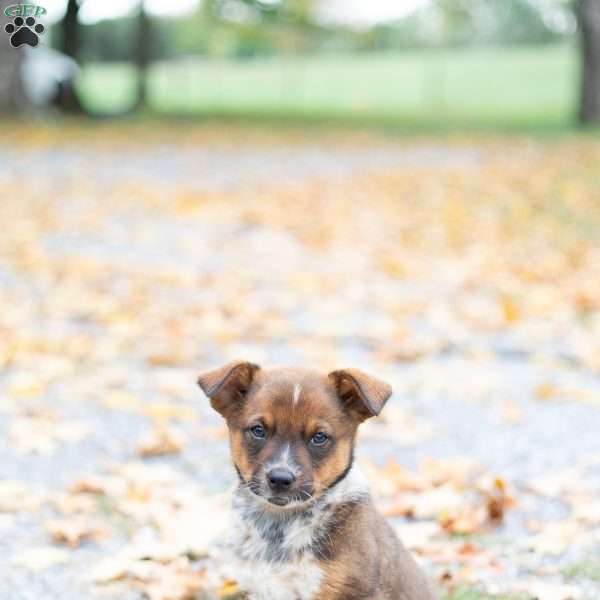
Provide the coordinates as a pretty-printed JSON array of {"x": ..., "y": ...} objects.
[
  {"x": 275, "y": 554},
  {"x": 262, "y": 580}
]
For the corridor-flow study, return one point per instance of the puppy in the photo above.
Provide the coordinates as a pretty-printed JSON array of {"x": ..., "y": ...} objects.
[{"x": 305, "y": 527}]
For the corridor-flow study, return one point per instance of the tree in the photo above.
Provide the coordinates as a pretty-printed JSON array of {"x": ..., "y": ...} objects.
[
  {"x": 12, "y": 97},
  {"x": 70, "y": 44},
  {"x": 70, "y": 38},
  {"x": 67, "y": 98},
  {"x": 143, "y": 53},
  {"x": 588, "y": 15}
]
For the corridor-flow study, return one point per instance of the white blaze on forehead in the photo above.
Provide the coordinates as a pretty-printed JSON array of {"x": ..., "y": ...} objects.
[
  {"x": 285, "y": 461},
  {"x": 296, "y": 393}
]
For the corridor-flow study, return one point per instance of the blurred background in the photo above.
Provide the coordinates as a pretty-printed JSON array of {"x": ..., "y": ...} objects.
[
  {"x": 415, "y": 63},
  {"x": 408, "y": 187}
]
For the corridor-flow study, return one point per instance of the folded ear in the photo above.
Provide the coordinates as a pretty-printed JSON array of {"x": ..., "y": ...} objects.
[
  {"x": 362, "y": 394},
  {"x": 227, "y": 386}
]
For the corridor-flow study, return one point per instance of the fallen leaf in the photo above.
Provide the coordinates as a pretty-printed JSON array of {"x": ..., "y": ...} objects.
[
  {"x": 74, "y": 531},
  {"x": 161, "y": 441},
  {"x": 167, "y": 411},
  {"x": 511, "y": 413},
  {"x": 122, "y": 400},
  {"x": 229, "y": 590}
]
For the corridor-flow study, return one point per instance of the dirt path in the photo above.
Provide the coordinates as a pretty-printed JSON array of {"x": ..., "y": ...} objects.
[{"x": 123, "y": 274}]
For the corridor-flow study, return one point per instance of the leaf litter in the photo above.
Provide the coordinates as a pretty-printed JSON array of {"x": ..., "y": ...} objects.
[{"x": 470, "y": 284}]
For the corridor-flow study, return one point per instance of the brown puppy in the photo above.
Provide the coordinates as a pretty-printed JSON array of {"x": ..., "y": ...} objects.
[{"x": 305, "y": 525}]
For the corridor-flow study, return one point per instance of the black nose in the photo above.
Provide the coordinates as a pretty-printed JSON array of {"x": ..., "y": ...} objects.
[{"x": 280, "y": 479}]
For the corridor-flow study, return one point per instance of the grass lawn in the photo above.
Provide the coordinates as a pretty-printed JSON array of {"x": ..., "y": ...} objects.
[
  {"x": 474, "y": 594},
  {"x": 497, "y": 88}
]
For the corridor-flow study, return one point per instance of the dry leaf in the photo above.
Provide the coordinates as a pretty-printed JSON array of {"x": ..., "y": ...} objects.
[
  {"x": 161, "y": 441},
  {"x": 511, "y": 413},
  {"x": 166, "y": 411},
  {"x": 122, "y": 400},
  {"x": 74, "y": 531},
  {"x": 229, "y": 590}
]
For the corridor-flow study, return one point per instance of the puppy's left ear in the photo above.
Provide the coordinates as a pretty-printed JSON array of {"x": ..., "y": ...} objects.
[
  {"x": 227, "y": 386},
  {"x": 362, "y": 394}
]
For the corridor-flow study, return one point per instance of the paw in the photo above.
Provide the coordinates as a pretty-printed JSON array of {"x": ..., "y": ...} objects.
[{"x": 24, "y": 31}]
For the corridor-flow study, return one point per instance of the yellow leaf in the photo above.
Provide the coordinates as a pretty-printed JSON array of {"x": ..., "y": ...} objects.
[
  {"x": 165, "y": 411},
  {"x": 229, "y": 589},
  {"x": 161, "y": 441},
  {"x": 546, "y": 391},
  {"x": 510, "y": 310},
  {"x": 121, "y": 400}
]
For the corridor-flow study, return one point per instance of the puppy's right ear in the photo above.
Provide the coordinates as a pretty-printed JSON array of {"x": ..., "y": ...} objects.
[{"x": 227, "y": 386}]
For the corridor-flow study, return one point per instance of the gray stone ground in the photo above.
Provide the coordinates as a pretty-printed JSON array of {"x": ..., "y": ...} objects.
[{"x": 550, "y": 437}]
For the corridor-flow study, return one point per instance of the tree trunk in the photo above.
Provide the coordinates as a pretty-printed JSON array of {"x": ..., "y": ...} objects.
[
  {"x": 71, "y": 42},
  {"x": 143, "y": 55},
  {"x": 67, "y": 98},
  {"x": 12, "y": 97},
  {"x": 588, "y": 14}
]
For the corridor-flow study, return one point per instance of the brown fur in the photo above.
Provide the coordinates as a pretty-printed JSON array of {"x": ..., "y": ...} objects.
[
  {"x": 370, "y": 563},
  {"x": 362, "y": 559}
]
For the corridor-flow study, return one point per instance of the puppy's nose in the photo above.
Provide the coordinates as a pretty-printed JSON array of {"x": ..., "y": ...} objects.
[{"x": 280, "y": 479}]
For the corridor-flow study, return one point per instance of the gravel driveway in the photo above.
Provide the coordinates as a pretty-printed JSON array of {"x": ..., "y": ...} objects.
[{"x": 82, "y": 365}]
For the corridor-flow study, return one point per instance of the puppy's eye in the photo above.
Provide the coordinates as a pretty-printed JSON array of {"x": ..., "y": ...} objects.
[
  {"x": 258, "y": 431},
  {"x": 319, "y": 439}
]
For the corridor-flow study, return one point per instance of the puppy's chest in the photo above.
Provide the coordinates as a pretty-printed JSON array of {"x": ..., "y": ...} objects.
[{"x": 278, "y": 559}]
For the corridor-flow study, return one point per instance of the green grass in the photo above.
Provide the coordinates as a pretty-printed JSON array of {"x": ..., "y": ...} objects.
[
  {"x": 583, "y": 570},
  {"x": 496, "y": 88},
  {"x": 474, "y": 594}
]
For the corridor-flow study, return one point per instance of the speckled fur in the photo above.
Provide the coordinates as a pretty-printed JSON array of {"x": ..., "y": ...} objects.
[
  {"x": 319, "y": 537},
  {"x": 278, "y": 553}
]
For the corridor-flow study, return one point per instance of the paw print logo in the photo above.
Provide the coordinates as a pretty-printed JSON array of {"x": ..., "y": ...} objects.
[{"x": 24, "y": 31}]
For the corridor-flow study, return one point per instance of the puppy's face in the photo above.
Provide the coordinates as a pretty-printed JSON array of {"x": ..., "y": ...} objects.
[{"x": 292, "y": 431}]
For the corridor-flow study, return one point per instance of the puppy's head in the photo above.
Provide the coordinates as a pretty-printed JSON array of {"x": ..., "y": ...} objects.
[{"x": 292, "y": 431}]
